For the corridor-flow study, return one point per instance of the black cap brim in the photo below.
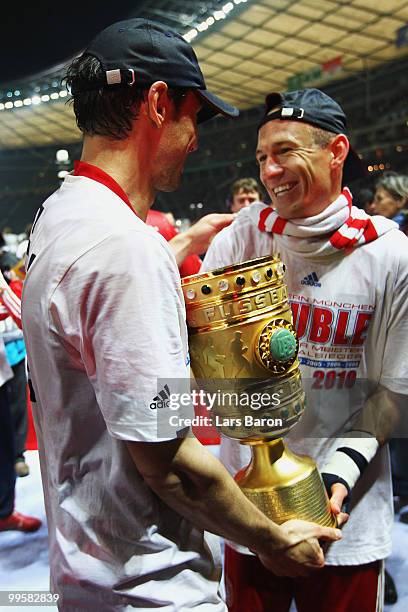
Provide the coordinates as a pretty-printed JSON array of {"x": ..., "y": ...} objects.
[
  {"x": 353, "y": 167},
  {"x": 213, "y": 105}
]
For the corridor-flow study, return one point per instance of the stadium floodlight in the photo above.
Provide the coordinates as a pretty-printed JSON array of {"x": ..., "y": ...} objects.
[
  {"x": 210, "y": 21},
  {"x": 190, "y": 35},
  {"x": 62, "y": 156}
]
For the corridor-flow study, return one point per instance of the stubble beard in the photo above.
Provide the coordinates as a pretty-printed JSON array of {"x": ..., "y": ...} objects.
[{"x": 169, "y": 180}]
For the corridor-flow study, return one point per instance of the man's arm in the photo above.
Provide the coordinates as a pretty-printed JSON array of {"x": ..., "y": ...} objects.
[
  {"x": 381, "y": 414},
  {"x": 198, "y": 237},
  {"x": 138, "y": 340},
  {"x": 372, "y": 428},
  {"x": 384, "y": 412},
  {"x": 196, "y": 485}
]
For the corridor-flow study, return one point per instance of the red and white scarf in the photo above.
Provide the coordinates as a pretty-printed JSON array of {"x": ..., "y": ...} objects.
[{"x": 340, "y": 226}]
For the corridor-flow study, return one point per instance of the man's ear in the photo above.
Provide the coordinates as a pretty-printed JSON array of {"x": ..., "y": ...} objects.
[
  {"x": 339, "y": 148},
  {"x": 157, "y": 103}
]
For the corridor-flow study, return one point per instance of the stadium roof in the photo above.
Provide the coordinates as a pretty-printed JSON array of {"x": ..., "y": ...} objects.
[{"x": 246, "y": 48}]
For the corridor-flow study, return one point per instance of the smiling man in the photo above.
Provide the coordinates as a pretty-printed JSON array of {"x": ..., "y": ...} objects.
[
  {"x": 347, "y": 276},
  {"x": 128, "y": 497},
  {"x": 299, "y": 185}
]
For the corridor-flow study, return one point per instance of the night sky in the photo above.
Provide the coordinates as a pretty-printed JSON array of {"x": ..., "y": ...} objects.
[{"x": 35, "y": 36}]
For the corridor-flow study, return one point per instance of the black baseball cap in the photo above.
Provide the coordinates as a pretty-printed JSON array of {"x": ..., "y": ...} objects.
[
  {"x": 137, "y": 52},
  {"x": 317, "y": 108}
]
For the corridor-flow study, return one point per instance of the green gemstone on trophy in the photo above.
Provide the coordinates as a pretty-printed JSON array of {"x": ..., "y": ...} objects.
[{"x": 282, "y": 345}]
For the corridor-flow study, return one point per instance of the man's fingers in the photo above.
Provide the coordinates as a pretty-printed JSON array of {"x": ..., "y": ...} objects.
[
  {"x": 339, "y": 494},
  {"x": 299, "y": 530},
  {"x": 216, "y": 218},
  {"x": 342, "y": 518},
  {"x": 335, "y": 505},
  {"x": 316, "y": 557},
  {"x": 224, "y": 219},
  {"x": 329, "y": 534},
  {"x": 318, "y": 563}
]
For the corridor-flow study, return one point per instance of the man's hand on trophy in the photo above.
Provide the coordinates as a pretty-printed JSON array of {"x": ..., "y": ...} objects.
[
  {"x": 345, "y": 467},
  {"x": 302, "y": 552},
  {"x": 339, "y": 493}
]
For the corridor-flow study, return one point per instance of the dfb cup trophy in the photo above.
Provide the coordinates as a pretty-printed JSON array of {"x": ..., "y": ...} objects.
[{"x": 241, "y": 334}]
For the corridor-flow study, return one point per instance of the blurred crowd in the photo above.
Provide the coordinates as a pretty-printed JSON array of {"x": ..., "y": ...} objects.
[{"x": 388, "y": 198}]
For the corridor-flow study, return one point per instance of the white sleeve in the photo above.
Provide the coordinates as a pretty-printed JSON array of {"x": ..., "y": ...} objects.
[
  {"x": 240, "y": 241},
  {"x": 394, "y": 373},
  {"x": 222, "y": 250},
  {"x": 121, "y": 307}
]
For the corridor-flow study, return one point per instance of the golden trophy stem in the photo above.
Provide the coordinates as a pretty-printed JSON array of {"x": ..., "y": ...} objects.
[{"x": 284, "y": 485}]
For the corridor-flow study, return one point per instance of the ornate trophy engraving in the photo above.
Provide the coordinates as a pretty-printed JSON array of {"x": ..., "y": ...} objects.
[{"x": 240, "y": 331}]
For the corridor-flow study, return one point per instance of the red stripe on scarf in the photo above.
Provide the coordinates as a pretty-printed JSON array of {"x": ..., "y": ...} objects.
[
  {"x": 357, "y": 224},
  {"x": 279, "y": 226},
  {"x": 370, "y": 233},
  {"x": 263, "y": 217},
  {"x": 339, "y": 241}
]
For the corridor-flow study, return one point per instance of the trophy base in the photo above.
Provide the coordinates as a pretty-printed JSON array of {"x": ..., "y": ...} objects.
[{"x": 283, "y": 485}]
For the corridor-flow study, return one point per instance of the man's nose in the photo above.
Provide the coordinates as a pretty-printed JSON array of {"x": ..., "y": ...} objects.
[{"x": 271, "y": 169}]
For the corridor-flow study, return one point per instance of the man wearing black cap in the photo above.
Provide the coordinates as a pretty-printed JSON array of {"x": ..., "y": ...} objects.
[
  {"x": 128, "y": 494},
  {"x": 347, "y": 276}
]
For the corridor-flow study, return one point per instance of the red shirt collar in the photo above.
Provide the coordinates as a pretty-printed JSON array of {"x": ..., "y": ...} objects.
[{"x": 96, "y": 174}]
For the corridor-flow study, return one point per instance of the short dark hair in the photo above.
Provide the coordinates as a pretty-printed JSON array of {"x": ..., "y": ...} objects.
[
  {"x": 104, "y": 111},
  {"x": 246, "y": 185},
  {"x": 320, "y": 137}
]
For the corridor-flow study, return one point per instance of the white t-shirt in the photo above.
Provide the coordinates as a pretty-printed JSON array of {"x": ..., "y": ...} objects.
[
  {"x": 351, "y": 314},
  {"x": 104, "y": 321}
]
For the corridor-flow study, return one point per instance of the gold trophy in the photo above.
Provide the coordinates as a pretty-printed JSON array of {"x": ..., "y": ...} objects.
[{"x": 241, "y": 332}]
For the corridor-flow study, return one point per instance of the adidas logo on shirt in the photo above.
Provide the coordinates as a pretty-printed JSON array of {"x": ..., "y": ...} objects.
[
  {"x": 162, "y": 399},
  {"x": 311, "y": 280}
]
